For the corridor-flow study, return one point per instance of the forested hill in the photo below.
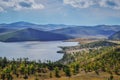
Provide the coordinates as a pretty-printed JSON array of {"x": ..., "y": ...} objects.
[{"x": 30, "y": 34}]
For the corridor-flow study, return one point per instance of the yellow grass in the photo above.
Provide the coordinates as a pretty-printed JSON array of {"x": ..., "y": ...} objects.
[{"x": 80, "y": 76}]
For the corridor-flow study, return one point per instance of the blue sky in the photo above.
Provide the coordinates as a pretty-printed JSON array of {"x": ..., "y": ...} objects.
[{"x": 71, "y": 12}]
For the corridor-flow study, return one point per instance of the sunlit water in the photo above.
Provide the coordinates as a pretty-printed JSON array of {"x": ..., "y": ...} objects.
[{"x": 34, "y": 50}]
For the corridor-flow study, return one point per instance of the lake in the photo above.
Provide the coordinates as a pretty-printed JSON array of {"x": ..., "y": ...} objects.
[{"x": 34, "y": 50}]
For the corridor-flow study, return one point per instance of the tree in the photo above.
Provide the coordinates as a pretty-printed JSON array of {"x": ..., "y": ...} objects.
[
  {"x": 67, "y": 71},
  {"x": 76, "y": 68},
  {"x": 50, "y": 74},
  {"x": 57, "y": 72}
]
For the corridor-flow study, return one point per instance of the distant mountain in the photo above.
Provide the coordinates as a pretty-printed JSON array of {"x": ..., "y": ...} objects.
[
  {"x": 22, "y": 24},
  {"x": 30, "y": 34},
  {"x": 98, "y": 31},
  {"x": 115, "y": 36},
  {"x": 89, "y": 31}
]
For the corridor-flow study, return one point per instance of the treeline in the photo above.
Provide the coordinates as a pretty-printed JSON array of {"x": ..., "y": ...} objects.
[{"x": 24, "y": 69}]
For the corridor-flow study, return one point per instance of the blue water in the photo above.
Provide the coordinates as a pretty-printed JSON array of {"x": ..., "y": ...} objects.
[{"x": 34, "y": 50}]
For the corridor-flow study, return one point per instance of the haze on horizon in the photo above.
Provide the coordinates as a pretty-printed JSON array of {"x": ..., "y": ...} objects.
[{"x": 71, "y": 12}]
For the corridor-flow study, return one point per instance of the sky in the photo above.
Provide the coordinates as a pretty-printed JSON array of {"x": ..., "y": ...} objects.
[{"x": 70, "y": 12}]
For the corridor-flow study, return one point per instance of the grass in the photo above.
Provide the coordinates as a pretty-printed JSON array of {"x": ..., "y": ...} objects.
[
  {"x": 80, "y": 76},
  {"x": 88, "y": 76}
]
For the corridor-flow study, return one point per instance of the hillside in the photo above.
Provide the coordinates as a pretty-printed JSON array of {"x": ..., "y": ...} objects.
[
  {"x": 98, "y": 44},
  {"x": 101, "y": 60},
  {"x": 3, "y": 30},
  {"x": 88, "y": 31},
  {"x": 30, "y": 34},
  {"x": 88, "y": 47},
  {"x": 115, "y": 36}
]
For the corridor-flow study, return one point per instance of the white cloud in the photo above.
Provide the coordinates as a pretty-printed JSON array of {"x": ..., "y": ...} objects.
[
  {"x": 114, "y": 4},
  {"x": 79, "y": 3},
  {"x": 20, "y": 4}
]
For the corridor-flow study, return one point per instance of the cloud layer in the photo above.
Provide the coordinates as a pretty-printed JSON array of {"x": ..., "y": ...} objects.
[
  {"x": 19, "y": 5},
  {"x": 114, "y": 4}
]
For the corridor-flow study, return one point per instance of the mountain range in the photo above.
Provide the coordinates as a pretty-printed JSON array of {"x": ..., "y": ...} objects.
[
  {"x": 22, "y": 24},
  {"x": 102, "y": 31},
  {"x": 25, "y": 29}
]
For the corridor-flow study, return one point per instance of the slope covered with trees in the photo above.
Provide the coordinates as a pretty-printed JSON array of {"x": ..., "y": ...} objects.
[{"x": 30, "y": 34}]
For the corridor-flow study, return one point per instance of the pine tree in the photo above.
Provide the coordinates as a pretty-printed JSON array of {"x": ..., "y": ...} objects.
[
  {"x": 68, "y": 71},
  {"x": 57, "y": 72}
]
